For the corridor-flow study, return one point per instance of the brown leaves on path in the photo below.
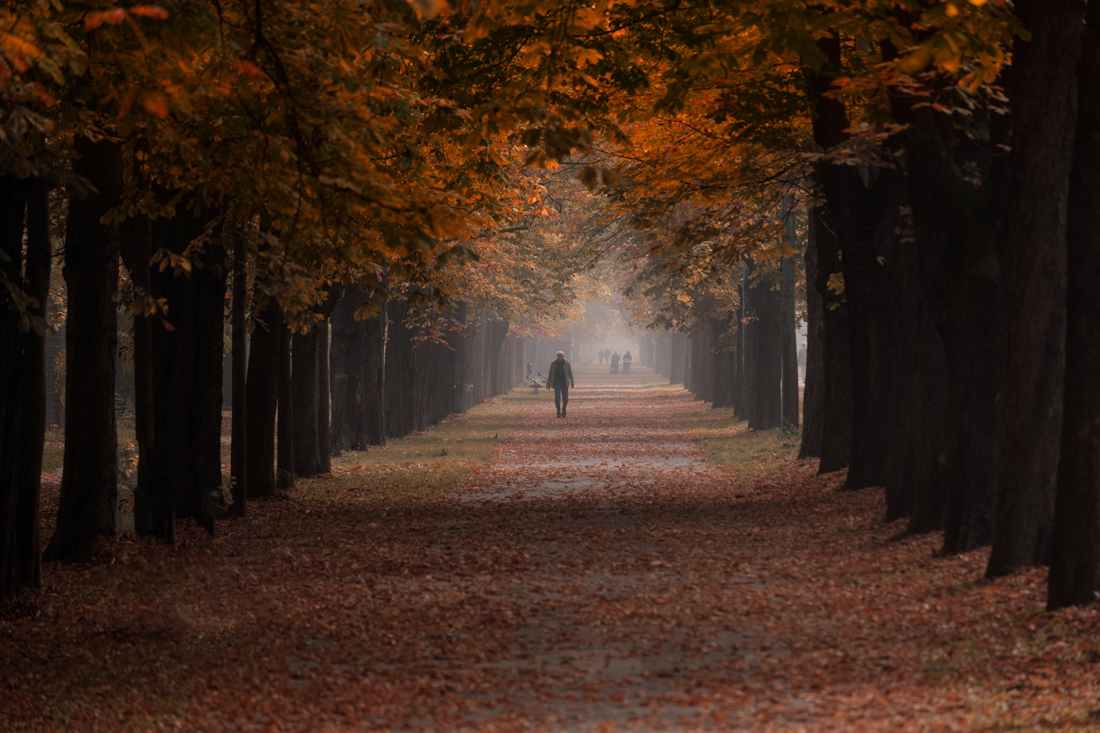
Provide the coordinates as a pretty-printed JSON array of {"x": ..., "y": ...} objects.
[{"x": 599, "y": 575}]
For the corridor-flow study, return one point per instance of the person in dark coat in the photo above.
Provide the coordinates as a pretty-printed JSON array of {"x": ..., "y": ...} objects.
[
  {"x": 615, "y": 363},
  {"x": 560, "y": 379},
  {"x": 627, "y": 358}
]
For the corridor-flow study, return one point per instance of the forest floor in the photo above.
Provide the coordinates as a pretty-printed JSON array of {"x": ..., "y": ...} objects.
[{"x": 643, "y": 564}]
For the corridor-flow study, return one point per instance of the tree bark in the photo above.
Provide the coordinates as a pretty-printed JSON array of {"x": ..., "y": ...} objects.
[
  {"x": 32, "y": 428},
  {"x": 261, "y": 397},
  {"x": 763, "y": 333},
  {"x": 284, "y": 477},
  {"x": 813, "y": 398},
  {"x": 185, "y": 457},
  {"x": 304, "y": 398},
  {"x": 788, "y": 329},
  {"x": 89, "y": 488},
  {"x": 1075, "y": 553},
  {"x": 239, "y": 449},
  {"x": 1030, "y": 225}
]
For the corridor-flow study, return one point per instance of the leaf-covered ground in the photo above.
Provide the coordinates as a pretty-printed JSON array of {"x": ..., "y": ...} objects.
[{"x": 599, "y": 574}]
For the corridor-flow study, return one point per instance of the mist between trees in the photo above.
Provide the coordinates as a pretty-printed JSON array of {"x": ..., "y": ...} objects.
[{"x": 393, "y": 212}]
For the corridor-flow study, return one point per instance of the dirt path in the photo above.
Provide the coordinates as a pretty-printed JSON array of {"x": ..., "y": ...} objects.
[{"x": 599, "y": 575}]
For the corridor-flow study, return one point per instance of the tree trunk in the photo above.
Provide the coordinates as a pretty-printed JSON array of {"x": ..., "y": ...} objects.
[
  {"x": 262, "y": 395},
  {"x": 836, "y": 421},
  {"x": 32, "y": 427},
  {"x": 498, "y": 330},
  {"x": 813, "y": 398},
  {"x": 185, "y": 478},
  {"x": 304, "y": 398},
  {"x": 238, "y": 460},
  {"x": 284, "y": 477},
  {"x": 1075, "y": 554},
  {"x": 89, "y": 488},
  {"x": 1031, "y": 227},
  {"x": 764, "y": 335},
  {"x": 400, "y": 374},
  {"x": 789, "y": 330}
]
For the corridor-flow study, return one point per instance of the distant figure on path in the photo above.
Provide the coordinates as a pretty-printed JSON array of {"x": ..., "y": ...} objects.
[
  {"x": 615, "y": 363},
  {"x": 560, "y": 377},
  {"x": 601, "y": 356},
  {"x": 627, "y": 358}
]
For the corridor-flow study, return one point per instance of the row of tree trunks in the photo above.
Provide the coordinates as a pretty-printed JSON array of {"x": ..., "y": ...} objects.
[{"x": 22, "y": 381}]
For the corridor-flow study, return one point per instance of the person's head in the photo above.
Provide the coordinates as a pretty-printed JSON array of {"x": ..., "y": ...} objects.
[{"x": 561, "y": 356}]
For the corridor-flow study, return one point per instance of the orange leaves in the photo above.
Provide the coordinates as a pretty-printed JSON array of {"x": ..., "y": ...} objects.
[
  {"x": 155, "y": 104},
  {"x": 117, "y": 15}
]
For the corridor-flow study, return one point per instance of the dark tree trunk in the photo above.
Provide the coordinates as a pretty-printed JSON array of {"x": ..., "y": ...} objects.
[
  {"x": 137, "y": 253},
  {"x": 22, "y": 381},
  {"x": 962, "y": 289},
  {"x": 400, "y": 374},
  {"x": 499, "y": 329},
  {"x": 836, "y": 422},
  {"x": 763, "y": 333},
  {"x": 262, "y": 396},
  {"x": 239, "y": 449},
  {"x": 1075, "y": 554},
  {"x": 324, "y": 392},
  {"x": 304, "y": 398},
  {"x": 185, "y": 478},
  {"x": 284, "y": 477},
  {"x": 89, "y": 487},
  {"x": 1030, "y": 226},
  {"x": 788, "y": 331},
  {"x": 813, "y": 398},
  {"x": 13, "y": 206},
  {"x": 740, "y": 407},
  {"x": 32, "y": 427},
  {"x": 677, "y": 358}
]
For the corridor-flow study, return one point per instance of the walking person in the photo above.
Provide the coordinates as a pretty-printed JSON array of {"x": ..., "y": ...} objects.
[
  {"x": 615, "y": 363},
  {"x": 560, "y": 377},
  {"x": 627, "y": 358}
]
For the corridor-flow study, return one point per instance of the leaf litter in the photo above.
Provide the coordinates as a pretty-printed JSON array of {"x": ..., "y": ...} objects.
[{"x": 598, "y": 574}]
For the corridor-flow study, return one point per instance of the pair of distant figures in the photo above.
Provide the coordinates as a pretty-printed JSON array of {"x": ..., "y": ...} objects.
[{"x": 614, "y": 359}]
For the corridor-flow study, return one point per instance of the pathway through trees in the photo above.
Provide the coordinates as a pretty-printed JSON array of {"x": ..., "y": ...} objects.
[{"x": 599, "y": 575}]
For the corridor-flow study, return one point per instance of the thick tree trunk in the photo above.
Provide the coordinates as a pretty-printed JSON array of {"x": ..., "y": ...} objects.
[
  {"x": 836, "y": 422},
  {"x": 1075, "y": 554},
  {"x": 499, "y": 329},
  {"x": 89, "y": 488},
  {"x": 284, "y": 476},
  {"x": 813, "y": 398},
  {"x": 678, "y": 347},
  {"x": 139, "y": 263},
  {"x": 262, "y": 395},
  {"x": 185, "y": 478},
  {"x": 764, "y": 336},
  {"x": 13, "y": 206},
  {"x": 239, "y": 449},
  {"x": 789, "y": 334},
  {"x": 304, "y": 398},
  {"x": 324, "y": 396},
  {"x": 400, "y": 374},
  {"x": 32, "y": 427},
  {"x": 1030, "y": 225}
]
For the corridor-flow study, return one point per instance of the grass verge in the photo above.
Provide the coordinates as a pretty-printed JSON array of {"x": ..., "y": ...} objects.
[
  {"x": 745, "y": 454},
  {"x": 423, "y": 465}
]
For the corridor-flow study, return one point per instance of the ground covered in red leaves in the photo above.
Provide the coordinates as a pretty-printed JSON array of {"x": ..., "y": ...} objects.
[{"x": 599, "y": 575}]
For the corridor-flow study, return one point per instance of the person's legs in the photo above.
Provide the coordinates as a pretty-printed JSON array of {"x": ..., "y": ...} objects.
[
  {"x": 564, "y": 400},
  {"x": 557, "y": 398}
]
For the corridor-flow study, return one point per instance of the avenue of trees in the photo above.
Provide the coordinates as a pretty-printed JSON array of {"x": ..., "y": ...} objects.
[{"x": 435, "y": 183}]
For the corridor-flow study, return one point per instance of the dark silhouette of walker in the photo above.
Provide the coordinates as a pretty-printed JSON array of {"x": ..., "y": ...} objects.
[{"x": 615, "y": 363}]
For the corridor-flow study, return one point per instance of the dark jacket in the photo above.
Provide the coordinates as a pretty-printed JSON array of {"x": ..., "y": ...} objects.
[{"x": 552, "y": 373}]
